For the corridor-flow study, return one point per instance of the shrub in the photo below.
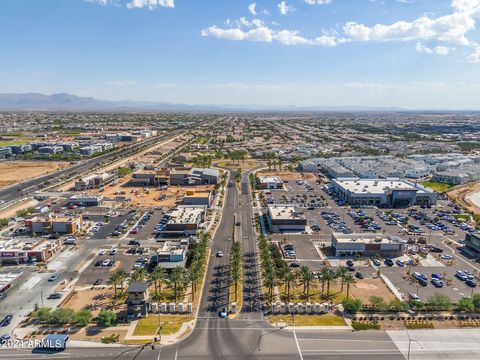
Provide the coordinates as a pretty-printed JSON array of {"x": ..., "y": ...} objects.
[
  {"x": 351, "y": 306},
  {"x": 83, "y": 317},
  {"x": 106, "y": 318},
  {"x": 365, "y": 326}
]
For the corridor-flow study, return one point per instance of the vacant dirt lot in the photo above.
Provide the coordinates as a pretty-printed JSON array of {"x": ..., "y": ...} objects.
[
  {"x": 365, "y": 288},
  {"x": 149, "y": 196},
  {"x": 12, "y": 172},
  {"x": 92, "y": 299},
  {"x": 462, "y": 193},
  {"x": 285, "y": 175}
]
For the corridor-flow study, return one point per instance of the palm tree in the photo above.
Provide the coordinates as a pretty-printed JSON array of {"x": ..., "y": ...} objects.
[
  {"x": 177, "y": 279},
  {"x": 342, "y": 271},
  {"x": 329, "y": 278},
  {"x": 349, "y": 280},
  {"x": 158, "y": 276},
  {"x": 235, "y": 265},
  {"x": 193, "y": 277},
  {"x": 270, "y": 280},
  {"x": 139, "y": 274},
  {"x": 323, "y": 276},
  {"x": 114, "y": 279},
  {"x": 289, "y": 280},
  {"x": 306, "y": 277}
]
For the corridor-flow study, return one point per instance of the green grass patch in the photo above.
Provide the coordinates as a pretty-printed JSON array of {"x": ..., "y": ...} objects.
[
  {"x": 149, "y": 326},
  {"x": 365, "y": 326},
  {"x": 12, "y": 143},
  {"x": 309, "y": 320},
  {"x": 201, "y": 140},
  {"x": 437, "y": 186}
]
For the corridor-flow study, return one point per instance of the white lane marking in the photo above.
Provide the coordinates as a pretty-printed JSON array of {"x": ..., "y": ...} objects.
[
  {"x": 298, "y": 346},
  {"x": 176, "y": 353},
  {"x": 159, "y": 352}
]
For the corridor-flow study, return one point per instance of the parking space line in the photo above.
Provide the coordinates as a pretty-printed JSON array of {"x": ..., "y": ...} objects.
[{"x": 298, "y": 346}]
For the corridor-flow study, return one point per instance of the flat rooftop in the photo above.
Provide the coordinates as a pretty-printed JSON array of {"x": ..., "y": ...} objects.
[
  {"x": 186, "y": 215},
  {"x": 284, "y": 212},
  {"x": 376, "y": 186},
  {"x": 367, "y": 238},
  {"x": 270, "y": 179}
]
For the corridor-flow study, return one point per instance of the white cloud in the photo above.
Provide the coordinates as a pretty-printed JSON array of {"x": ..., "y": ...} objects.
[
  {"x": 284, "y": 8},
  {"x": 265, "y": 34},
  {"x": 439, "y": 50},
  {"x": 102, "y": 2},
  {"x": 449, "y": 28},
  {"x": 252, "y": 8},
  {"x": 151, "y": 4},
  {"x": 318, "y": 2},
  {"x": 474, "y": 57}
]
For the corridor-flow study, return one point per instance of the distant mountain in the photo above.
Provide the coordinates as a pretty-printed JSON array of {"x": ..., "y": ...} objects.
[{"x": 68, "y": 102}]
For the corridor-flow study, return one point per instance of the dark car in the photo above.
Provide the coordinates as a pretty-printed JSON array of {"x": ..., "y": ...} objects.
[
  {"x": 388, "y": 262},
  {"x": 294, "y": 264},
  {"x": 471, "y": 283},
  {"x": 349, "y": 263},
  {"x": 55, "y": 296},
  {"x": 134, "y": 242},
  {"x": 98, "y": 263},
  {"x": 359, "y": 275},
  {"x": 237, "y": 223},
  {"x": 98, "y": 281},
  {"x": 6, "y": 320}
]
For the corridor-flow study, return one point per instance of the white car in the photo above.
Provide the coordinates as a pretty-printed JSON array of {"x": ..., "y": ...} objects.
[
  {"x": 106, "y": 262},
  {"x": 219, "y": 254},
  {"x": 113, "y": 251},
  {"x": 101, "y": 252},
  {"x": 446, "y": 257}
]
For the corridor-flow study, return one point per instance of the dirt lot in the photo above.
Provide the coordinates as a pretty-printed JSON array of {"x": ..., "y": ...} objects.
[
  {"x": 12, "y": 172},
  {"x": 365, "y": 288},
  {"x": 286, "y": 175},
  {"x": 461, "y": 194},
  {"x": 92, "y": 299},
  {"x": 151, "y": 196}
]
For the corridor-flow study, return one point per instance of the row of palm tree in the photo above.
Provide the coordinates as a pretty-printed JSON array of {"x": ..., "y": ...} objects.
[
  {"x": 177, "y": 279},
  {"x": 276, "y": 271},
  {"x": 236, "y": 265},
  {"x": 202, "y": 161}
]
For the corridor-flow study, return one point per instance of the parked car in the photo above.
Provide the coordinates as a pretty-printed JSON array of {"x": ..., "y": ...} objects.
[
  {"x": 471, "y": 282},
  {"x": 134, "y": 242},
  {"x": 223, "y": 312},
  {"x": 388, "y": 262},
  {"x": 106, "y": 262},
  {"x": 98, "y": 281},
  {"x": 438, "y": 282},
  {"x": 359, "y": 275},
  {"x": 55, "y": 296},
  {"x": 6, "y": 320},
  {"x": 376, "y": 262},
  {"x": 53, "y": 277},
  {"x": 219, "y": 253}
]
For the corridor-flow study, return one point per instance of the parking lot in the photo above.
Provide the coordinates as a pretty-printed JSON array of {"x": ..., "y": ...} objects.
[{"x": 435, "y": 236}]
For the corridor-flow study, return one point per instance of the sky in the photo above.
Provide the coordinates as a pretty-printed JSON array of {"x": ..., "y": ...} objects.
[{"x": 414, "y": 54}]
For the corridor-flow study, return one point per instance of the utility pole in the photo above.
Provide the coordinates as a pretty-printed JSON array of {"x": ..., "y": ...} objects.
[{"x": 41, "y": 296}]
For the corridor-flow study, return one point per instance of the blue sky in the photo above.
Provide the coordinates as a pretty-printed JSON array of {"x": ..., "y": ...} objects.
[{"x": 408, "y": 53}]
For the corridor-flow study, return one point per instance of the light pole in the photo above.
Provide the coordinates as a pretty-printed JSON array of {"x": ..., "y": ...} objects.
[{"x": 41, "y": 296}]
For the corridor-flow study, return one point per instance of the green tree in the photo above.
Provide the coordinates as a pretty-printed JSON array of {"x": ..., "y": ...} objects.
[
  {"x": 349, "y": 280},
  {"x": 43, "y": 315},
  {"x": 439, "y": 302},
  {"x": 158, "y": 276},
  {"x": 138, "y": 275},
  {"x": 465, "y": 304},
  {"x": 83, "y": 317},
  {"x": 177, "y": 279},
  {"x": 289, "y": 278},
  {"x": 476, "y": 301},
  {"x": 377, "y": 303},
  {"x": 341, "y": 273},
  {"x": 329, "y": 279},
  {"x": 351, "y": 306},
  {"x": 62, "y": 316},
  {"x": 106, "y": 318},
  {"x": 306, "y": 278}
]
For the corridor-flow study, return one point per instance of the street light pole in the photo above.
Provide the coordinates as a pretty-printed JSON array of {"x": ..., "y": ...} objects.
[{"x": 41, "y": 296}]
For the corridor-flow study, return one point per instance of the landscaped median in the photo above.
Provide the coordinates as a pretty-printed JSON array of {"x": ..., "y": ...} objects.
[
  {"x": 308, "y": 320},
  {"x": 170, "y": 324}
]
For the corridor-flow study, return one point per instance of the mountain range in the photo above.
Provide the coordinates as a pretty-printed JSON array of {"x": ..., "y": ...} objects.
[{"x": 69, "y": 102}]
